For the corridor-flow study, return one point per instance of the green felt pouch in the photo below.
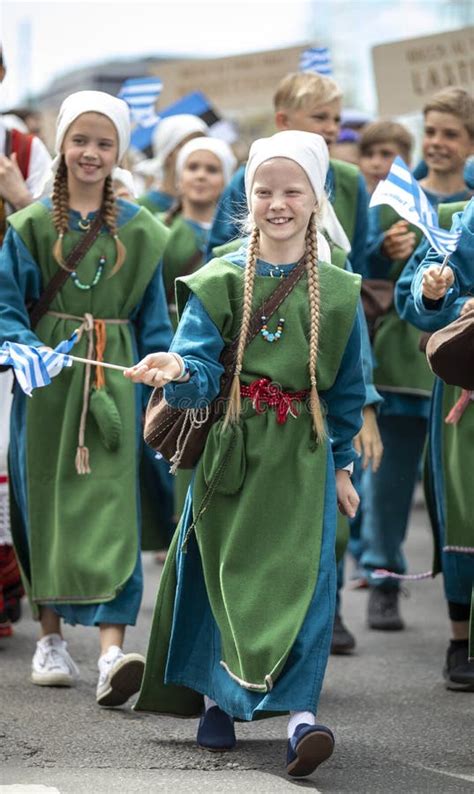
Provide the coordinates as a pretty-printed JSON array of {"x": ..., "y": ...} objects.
[
  {"x": 104, "y": 410},
  {"x": 223, "y": 460}
]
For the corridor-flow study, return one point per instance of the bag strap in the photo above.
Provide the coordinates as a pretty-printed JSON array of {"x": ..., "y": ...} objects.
[
  {"x": 62, "y": 274},
  {"x": 269, "y": 307},
  {"x": 21, "y": 144}
]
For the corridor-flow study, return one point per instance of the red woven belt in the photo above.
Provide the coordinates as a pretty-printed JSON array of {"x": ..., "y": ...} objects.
[{"x": 263, "y": 392}]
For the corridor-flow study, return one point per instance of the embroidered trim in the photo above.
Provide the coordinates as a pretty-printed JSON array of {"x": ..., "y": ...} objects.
[
  {"x": 460, "y": 549},
  {"x": 266, "y": 687},
  {"x": 381, "y": 573}
]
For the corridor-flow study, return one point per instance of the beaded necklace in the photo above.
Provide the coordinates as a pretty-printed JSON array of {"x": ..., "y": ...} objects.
[{"x": 84, "y": 224}]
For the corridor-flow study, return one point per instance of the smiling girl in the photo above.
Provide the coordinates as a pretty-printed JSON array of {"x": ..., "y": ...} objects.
[
  {"x": 73, "y": 455},
  {"x": 244, "y": 615},
  {"x": 204, "y": 167}
]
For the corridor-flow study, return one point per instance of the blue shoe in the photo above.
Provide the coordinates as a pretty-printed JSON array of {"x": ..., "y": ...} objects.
[
  {"x": 216, "y": 731},
  {"x": 309, "y": 746}
]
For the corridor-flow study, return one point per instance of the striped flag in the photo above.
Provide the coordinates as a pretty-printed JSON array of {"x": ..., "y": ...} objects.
[
  {"x": 402, "y": 192},
  {"x": 140, "y": 94},
  {"x": 34, "y": 368},
  {"x": 316, "y": 59}
]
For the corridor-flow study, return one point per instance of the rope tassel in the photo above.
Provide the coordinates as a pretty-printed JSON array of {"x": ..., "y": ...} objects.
[{"x": 82, "y": 460}]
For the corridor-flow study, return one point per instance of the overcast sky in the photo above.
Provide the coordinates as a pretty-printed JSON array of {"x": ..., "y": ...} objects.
[
  {"x": 42, "y": 40},
  {"x": 68, "y": 34}
]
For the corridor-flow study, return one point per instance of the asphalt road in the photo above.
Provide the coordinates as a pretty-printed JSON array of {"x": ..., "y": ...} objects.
[{"x": 397, "y": 728}]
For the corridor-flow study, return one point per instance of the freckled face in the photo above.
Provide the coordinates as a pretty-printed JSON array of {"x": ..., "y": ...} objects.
[{"x": 282, "y": 200}]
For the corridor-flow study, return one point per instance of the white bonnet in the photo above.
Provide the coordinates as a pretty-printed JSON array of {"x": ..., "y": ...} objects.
[
  {"x": 172, "y": 130},
  {"x": 94, "y": 102},
  {"x": 219, "y": 148}
]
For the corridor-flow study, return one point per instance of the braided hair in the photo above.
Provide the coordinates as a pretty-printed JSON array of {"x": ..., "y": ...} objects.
[
  {"x": 60, "y": 212},
  {"x": 314, "y": 297},
  {"x": 234, "y": 403}
]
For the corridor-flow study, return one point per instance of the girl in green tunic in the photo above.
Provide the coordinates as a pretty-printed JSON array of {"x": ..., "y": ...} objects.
[
  {"x": 239, "y": 632},
  {"x": 203, "y": 167},
  {"x": 73, "y": 456}
]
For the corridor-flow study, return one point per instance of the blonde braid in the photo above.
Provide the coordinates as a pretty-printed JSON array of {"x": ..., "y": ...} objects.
[
  {"x": 312, "y": 270},
  {"x": 60, "y": 199},
  {"x": 233, "y": 406},
  {"x": 109, "y": 213}
]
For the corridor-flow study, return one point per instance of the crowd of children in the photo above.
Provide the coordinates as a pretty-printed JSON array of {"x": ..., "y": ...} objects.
[{"x": 326, "y": 414}]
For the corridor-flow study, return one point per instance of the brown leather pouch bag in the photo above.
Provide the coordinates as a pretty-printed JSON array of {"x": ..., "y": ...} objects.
[
  {"x": 179, "y": 434},
  {"x": 450, "y": 352}
]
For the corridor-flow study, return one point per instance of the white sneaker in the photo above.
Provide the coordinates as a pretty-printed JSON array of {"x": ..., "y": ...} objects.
[
  {"x": 120, "y": 676},
  {"x": 52, "y": 664}
]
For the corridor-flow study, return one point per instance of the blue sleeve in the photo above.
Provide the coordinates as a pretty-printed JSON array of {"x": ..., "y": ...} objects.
[
  {"x": 230, "y": 210},
  {"x": 20, "y": 283},
  {"x": 199, "y": 342},
  {"x": 462, "y": 260},
  {"x": 378, "y": 264},
  {"x": 372, "y": 397},
  {"x": 358, "y": 253},
  {"x": 345, "y": 400},
  {"x": 151, "y": 318},
  {"x": 409, "y": 301}
]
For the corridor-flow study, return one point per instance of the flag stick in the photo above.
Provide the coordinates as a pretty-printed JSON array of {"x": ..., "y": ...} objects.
[
  {"x": 445, "y": 262},
  {"x": 95, "y": 363},
  {"x": 101, "y": 364}
]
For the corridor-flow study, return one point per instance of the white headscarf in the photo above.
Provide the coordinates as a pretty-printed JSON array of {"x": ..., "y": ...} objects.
[
  {"x": 89, "y": 102},
  {"x": 219, "y": 148},
  {"x": 171, "y": 131},
  {"x": 310, "y": 151}
]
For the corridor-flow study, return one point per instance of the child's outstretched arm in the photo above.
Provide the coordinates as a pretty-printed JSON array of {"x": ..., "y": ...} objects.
[
  {"x": 410, "y": 302},
  {"x": 190, "y": 373}
]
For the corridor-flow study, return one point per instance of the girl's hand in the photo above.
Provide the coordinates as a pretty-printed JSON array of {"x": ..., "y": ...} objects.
[
  {"x": 468, "y": 307},
  {"x": 347, "y": 496},
  {"x": 368, "y": 442},
  {"x": 156, "y": 369},
  {"x": 398, "y": 242},
  {"x": 436, "y": 284}
]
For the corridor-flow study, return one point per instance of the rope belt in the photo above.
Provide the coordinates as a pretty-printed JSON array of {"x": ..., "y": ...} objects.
[
  {"x": 263, "y": 392},
  {"x": 91, "y": 327}
]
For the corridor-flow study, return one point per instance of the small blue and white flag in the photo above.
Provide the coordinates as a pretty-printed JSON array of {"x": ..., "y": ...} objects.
[
  {"x": 402, "y": 192},
  {"x": 140, "y": 94},
  {"x": 33, "y": 367},
  {"x": 316, "y": 59}
]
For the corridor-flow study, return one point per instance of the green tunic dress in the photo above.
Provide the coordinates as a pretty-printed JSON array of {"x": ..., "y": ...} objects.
[
  {"x": 259, "y": 540},
  {"x": 82, "y": 530}
]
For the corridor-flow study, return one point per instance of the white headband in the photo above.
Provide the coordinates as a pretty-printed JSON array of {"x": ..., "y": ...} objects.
[{"x": 219, "y": 148}]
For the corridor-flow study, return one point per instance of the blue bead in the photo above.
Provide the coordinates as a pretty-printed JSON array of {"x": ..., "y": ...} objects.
[{"x": 271, "y": 337}]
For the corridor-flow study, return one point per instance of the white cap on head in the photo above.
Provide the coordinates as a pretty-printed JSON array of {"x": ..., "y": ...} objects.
[
  {"x": 94, "y": 102},
  {"x": 88, "y": 102},
  {"x": 307, "y": 149},
  {"x": 219, "y": 148},
  {"x": 172, "y": 130},
  {"x": 310, "y": 152}
]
